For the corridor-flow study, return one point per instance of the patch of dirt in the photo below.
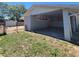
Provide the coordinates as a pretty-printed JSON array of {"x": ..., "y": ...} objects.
[{"x": 14, "y": 29}]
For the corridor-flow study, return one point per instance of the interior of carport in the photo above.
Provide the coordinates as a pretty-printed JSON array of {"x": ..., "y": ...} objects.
[{"x": 49, "y": 23}]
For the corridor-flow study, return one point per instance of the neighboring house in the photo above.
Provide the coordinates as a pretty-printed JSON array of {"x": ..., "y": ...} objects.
[{"x": 64, "y": 17}]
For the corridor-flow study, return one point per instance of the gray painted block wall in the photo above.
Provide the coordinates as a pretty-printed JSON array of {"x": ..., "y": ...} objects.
[
  {"x": 27, "y": 22},
  {"x": 38, "y": 24},
  {"x": 56, "y": 22}
]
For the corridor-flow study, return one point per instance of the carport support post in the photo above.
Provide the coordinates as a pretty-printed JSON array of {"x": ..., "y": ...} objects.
[{"x": 67, "y": 26}]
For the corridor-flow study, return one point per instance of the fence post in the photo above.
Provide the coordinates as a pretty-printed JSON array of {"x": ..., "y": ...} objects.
[
  {"x": 4, "y": 27},
  {"x": 17, "y": 26}
]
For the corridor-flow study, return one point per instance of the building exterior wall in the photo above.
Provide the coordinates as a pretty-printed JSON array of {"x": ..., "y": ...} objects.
[
  {"x": 77, "y": 22},
  {"x": 38, "y": 24},
  {"x": 27, "y": 22},
  {"x": 56, "y": 21},
  {"x": 31, "y": 23},
  {"x": 67, "y": 25}
]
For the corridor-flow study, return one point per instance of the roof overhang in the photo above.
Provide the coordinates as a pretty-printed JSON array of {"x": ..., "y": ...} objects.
[{"x": 50, "y": 8}]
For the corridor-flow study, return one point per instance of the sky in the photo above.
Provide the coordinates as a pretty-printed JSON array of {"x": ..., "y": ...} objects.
[{"x": 29, "y": 4}]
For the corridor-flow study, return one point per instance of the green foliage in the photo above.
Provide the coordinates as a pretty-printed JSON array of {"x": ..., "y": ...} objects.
[
  {"x": 12, "y": 11},
  {"x": 16, "y": 11},
  {"x": 3, "y": 10},
  {"x": 1, "y": 17}
]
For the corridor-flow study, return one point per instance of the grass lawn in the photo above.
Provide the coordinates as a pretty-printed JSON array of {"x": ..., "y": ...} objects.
[{"x": 31, "y": 44}]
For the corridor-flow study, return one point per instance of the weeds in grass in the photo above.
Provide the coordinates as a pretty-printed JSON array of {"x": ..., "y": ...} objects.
[{"x": 24, "y": 44}]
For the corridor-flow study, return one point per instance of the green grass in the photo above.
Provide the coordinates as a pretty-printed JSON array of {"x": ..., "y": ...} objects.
[{"x": 30, "y": 44}]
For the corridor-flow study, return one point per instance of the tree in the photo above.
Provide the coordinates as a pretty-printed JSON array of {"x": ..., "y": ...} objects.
[
  {"x": 11, "y": 11},
  {"x": 20, "y": 10},
  {"x": 1, "y": 17},
  {"x": 16, "y": 11},
  {"x": 3, "y": 10}
]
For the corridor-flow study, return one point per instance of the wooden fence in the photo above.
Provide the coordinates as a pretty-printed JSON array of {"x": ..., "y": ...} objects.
[{"x": 4, "y": 24}]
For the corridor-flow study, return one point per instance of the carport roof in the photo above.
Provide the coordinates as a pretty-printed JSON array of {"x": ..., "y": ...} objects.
[{"x": 61, "y": 6}]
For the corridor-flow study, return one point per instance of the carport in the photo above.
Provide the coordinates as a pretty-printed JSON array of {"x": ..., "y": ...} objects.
[
  {"x": 49, "y": 23},
  {"x": 54, "y": 20}
]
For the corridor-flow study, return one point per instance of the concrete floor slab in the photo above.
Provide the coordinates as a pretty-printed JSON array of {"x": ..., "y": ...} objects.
[{"x": 51, "y": 32}]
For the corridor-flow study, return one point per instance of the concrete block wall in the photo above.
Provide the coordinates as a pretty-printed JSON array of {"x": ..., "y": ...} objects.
[
  {"x": 57, "y": 22},
  {"x": 38, "y": 24},
  {"x": 77, "y": 22},
  {"x": 27, "y": 22}
]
